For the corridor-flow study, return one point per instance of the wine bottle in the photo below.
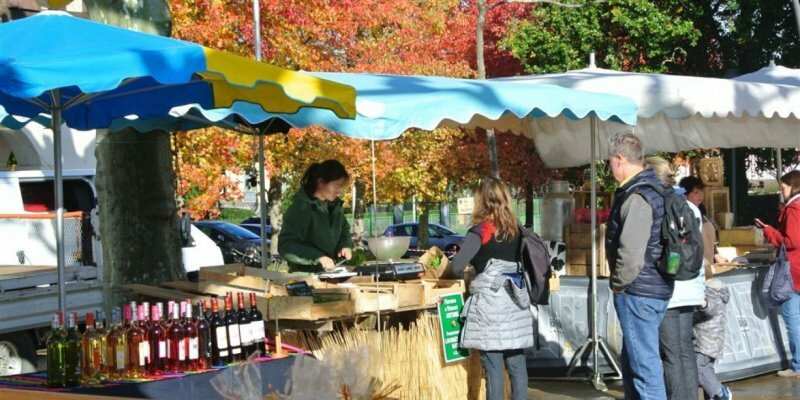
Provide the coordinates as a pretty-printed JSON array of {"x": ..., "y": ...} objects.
[
  {"x": 204, "y": 339},
  {"x": 207, "y": 309},
  {"x": 56, "y": 353},
  {"x": 92, "y": 362},
  {"x": 145, "y": 324},
  {"x": 244, "y": 326},
  {"x": 100, "y": 325},
  {"x": 192, "y": 339},
  {"x": 157, "y": 339},
  {"x": 138, "y": 348},
  {"x": 175, "y": 344},
  {"x": 257, "y": 326},
  {"x": 72, "y": 358},
  {"x": 118, "y": 343},
  {"x": 232, "y": 323},
  {"x": 220, "y": 352}
]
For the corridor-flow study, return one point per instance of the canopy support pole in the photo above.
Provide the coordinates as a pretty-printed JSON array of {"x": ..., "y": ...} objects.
[
  {"x": 262, "y": 202},
  {"x": 594, "y": 343},
  {"x": 779, "y": 171},
  {"x": 491, "y": 141},
  {"x": 59, "y": 200},
  {"x": 373, "y": 221}
]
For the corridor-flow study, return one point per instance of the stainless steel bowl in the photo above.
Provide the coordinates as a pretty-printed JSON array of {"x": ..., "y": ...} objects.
[{"x": 389, "y": 248}]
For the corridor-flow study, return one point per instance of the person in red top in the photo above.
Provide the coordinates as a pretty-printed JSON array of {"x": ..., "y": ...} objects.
[{"x": 788, "y": 234}]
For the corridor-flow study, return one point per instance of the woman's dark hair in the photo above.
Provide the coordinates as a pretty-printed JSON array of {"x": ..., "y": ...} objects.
[
  {"x": 792, "y": 179},
  {"x": 690, "y": 183},
  {"x": 326, "y": 171}
]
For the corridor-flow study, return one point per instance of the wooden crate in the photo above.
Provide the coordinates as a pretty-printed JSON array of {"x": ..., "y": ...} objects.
[
  {"x": 745, "y": 236},
  {"x": 433, "y": 289},
  {"x": 579, "y": 250},
  {"x": 583, "y": 199},
  {"x": 717, "y": 200},
  {"x": 303, "y": 308}
]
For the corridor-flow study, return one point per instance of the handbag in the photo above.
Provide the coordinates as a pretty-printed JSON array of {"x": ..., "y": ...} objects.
[{"x": 778, "y": 285}]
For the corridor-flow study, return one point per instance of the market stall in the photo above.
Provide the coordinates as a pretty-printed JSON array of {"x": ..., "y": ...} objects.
[{"x": 676, "y": 113}]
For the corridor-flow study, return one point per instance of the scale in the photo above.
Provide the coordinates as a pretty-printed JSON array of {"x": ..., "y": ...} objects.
[{"x": 400, "y": 270}]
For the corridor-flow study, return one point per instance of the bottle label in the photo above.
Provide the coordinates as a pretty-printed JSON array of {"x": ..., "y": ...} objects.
[
  {"x": 162, "y": 349},
  {"x": 144, "y": 353},
  {"x": 120, "y": 355},
  {"x": 222, "y": 339},
  {"x": 223, "y": 353},
  {"x": 233, "y": 330},
  {"x": 194, "y": 348},
  {"x": 182, "y": 350},
  {"x": 257, "y": 330},
  {"x": 247, "y": 337},
  {"x": 237, "y": 350}
]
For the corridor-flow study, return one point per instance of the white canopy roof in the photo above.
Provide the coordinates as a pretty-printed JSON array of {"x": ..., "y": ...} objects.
[
  {"x": 774, "y": 74},
  {"x": 675, "y": 113}
]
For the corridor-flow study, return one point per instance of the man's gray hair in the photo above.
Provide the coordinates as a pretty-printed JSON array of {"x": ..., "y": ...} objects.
[{"x": 628, "y": 146}]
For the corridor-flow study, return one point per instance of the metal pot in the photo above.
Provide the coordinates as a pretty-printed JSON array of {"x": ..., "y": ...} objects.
[{"x": 386, "y": 248}]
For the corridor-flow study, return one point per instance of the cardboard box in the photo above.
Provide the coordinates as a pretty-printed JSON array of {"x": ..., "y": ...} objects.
[{"x": 741, "y": 236}]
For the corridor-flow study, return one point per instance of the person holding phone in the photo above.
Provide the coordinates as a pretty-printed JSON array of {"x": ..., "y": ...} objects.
[{"x": 787, "y": 234}]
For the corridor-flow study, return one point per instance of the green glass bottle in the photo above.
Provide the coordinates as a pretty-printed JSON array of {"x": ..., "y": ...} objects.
[
  {"x": 56, "y": 350},
  {"x": 72, "y": 357}
]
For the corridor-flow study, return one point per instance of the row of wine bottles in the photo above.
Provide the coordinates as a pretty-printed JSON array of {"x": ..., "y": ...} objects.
[{"x": 143, "y": 340}]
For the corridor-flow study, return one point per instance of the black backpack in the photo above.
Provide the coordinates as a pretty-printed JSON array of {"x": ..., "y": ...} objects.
[
  {"x": 681, "y": 238},
  {"x": 535, "y": 262}
]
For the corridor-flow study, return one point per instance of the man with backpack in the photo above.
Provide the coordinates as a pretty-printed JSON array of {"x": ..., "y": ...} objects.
[{"x": 634, "y": 251}]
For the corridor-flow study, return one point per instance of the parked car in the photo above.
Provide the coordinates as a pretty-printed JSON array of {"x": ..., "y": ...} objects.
[
  {"x": 256, "y": 228},
  {"x": 238, "y": 244},
  {"x": 254, "y": 221},
  {"x": 438, "y": 235}
]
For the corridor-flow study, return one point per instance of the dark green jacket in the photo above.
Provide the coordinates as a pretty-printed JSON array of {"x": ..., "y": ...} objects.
[{"x": 311, "y": 229}]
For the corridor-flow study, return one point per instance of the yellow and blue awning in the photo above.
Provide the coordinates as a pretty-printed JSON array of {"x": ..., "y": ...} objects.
[{"x": 99, "y": 73}]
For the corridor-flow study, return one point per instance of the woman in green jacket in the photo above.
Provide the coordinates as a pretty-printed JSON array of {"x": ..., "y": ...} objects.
[{"x": 315, "y": 231}]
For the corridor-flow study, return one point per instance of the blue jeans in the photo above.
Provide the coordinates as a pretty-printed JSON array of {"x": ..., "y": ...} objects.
[
  {"x": 515, "y": 364},
  {"x": 790, "y": 310},
  {"x": 640, "y": 318}
]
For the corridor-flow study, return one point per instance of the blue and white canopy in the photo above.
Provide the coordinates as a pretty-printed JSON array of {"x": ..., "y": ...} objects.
[{"x": 388, "y": 105}]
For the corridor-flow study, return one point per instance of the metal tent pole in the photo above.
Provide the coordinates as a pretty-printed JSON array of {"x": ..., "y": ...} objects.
[
  {"x": 779, "y": 160},
  {"x": 262, "y": 201},
  {"x": 594, "y": 343},
  {"x": 374, "y": 192},
  {"x": 262, "y": 176},
  {"x": 59, "y": 198}
]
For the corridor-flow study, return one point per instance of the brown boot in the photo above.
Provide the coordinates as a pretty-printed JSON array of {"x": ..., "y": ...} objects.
[{"x": 789, "y": 373}]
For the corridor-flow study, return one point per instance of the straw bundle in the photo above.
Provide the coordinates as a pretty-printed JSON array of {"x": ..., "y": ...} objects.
[{"x": 410, "y": 358}]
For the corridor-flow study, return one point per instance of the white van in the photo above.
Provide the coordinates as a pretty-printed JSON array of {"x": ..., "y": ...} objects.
[{"x": 28, "y": 280}]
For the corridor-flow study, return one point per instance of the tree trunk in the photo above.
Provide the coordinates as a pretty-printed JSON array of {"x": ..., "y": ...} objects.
[
  {"x": 138, "y": 212},
  {"x": 796, "y": 6},
  {"x": 479, "y": 28},
  {"x": 135, "y": 178},
  {"x": 398, "y": 214},
  {"x": 444, "y": 214},
  {"x": 422, "y": 228},
  {"x": 274, "y": 201}
]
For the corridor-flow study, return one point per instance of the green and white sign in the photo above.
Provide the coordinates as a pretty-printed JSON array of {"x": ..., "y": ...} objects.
[{"x": 450, "y": 307}]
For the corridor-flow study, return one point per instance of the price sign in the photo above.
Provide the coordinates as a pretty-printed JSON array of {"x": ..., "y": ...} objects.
[
  {"x": 450, "y": 307},
  {"x": 465, "y": 205}
]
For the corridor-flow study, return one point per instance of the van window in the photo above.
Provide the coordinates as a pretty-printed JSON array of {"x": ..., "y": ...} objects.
[{"x": 40, "y": 196}]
